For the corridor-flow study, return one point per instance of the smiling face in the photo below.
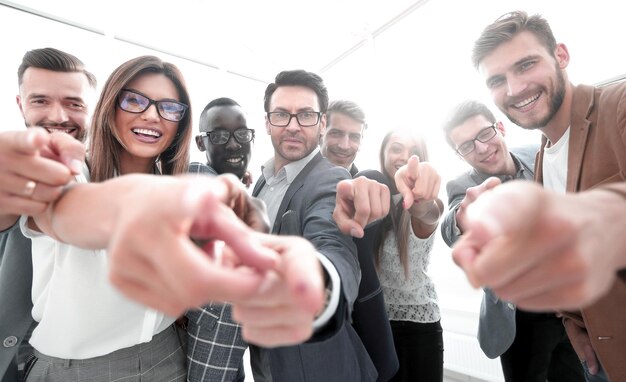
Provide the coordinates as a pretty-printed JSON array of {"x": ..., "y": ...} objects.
[
  {"x": 57, "y": 101},
  {"x": 526, "y": 81},
  {"x": 294, "y": 142},
  {"x": 232, "y": 156},
  {"x": 399, "y": 148},
  {"x": 491, "y": 157},
  {"x": 146, "y": 135},
  {"x": 342, "y": 140}
]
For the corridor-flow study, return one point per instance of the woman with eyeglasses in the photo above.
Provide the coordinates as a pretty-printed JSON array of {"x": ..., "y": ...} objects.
[
  {"x": 87, "y": 329},
  {"x": 403, "y": 254}
]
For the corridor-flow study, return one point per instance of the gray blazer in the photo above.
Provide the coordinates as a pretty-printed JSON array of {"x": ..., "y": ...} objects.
[
  {"x": 335, "y": 353},
  {"x": 16, "y": 276},
  {"x": 496, "y": 325}
]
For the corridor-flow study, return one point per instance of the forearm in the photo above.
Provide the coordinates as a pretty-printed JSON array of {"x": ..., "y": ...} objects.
[{"x": 86, "y": 213}]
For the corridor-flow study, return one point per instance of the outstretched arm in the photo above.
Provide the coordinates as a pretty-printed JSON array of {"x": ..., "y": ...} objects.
[{"x": 543, "y": 250}]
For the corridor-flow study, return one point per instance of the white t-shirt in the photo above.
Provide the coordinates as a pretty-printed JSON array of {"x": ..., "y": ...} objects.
[
  {"x": 554, "y": 165},
  {"x": 80, "y": 313}
]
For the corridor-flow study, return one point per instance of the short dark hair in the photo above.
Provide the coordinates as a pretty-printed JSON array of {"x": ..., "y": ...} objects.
[
  {"x": 464, "y": 111},
  {"x": 347, "y": 108},
  {"x": 222, "y": 101},
  {"x": 298, "y": 78},
  {"x": 54, "y": 60},
  {"x": 508, "y": 26}
]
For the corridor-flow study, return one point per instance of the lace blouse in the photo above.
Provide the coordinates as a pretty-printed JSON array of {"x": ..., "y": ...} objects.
[{"x": 411, "y": 298}]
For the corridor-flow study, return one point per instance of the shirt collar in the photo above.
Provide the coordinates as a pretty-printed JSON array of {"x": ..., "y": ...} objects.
[{"x": 291, "y": 169}]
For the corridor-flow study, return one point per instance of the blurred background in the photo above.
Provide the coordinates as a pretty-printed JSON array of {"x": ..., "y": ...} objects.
[{"x": 405, "y": 62}]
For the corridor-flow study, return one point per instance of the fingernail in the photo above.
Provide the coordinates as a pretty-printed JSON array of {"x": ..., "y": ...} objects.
[
  {"x": 354, "y": 232},
  {"x": 76, "y": 166}
]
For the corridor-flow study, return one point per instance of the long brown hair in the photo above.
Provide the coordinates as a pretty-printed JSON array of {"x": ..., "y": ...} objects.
[
  {"x": 104, "y": 144},
  {"x": 398, "y": 220}
]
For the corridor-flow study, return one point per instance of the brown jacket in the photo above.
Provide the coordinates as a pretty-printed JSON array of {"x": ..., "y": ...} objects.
[{"x": 597, "y": 158}]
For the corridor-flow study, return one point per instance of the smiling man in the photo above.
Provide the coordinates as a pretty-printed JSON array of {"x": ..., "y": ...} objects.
[
  {"x": 226, "y": 138},
  {"x": 504, "y": 330},
  {"x": 341, "y": 143}
]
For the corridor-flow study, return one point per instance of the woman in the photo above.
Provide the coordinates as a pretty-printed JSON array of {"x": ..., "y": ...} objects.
[
  {"x": 403, "y": 256},
  {"x": 87, "y": 329}
]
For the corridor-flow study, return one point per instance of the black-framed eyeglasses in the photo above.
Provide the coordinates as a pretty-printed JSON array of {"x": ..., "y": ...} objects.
[
  {"x": 483, "y": 136},
  {"x": 134, "y": 102},
  {"x": 221, "y": 136},
  {"x": 304, "y": 118}
]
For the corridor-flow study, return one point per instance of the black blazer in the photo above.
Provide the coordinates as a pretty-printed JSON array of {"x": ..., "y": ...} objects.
[{"x": 369, "y": 317}]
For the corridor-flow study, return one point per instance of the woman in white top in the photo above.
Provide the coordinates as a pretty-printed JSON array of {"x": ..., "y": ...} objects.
[
  {"x": 87, "y": 329},
  {"x": 403, "y": 256}
]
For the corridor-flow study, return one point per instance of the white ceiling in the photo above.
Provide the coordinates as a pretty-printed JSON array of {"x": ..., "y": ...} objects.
[{"x": 256, "y": 39}]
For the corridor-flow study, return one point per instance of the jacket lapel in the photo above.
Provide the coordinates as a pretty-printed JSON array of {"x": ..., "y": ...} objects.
[
  {"x": 582, "y": 106},
  {"x": 297, "y": 183}
]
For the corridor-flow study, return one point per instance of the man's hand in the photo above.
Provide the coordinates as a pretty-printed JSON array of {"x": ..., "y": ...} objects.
[
  {"x": 541, "y": 250},
  {"x": 282, "y": 310},
  {"x": 471, "y": 195},
  {"x": 34, "y": 167},
  {"x": 582, "y": 345},
  {"x": 359, "y": 202}
]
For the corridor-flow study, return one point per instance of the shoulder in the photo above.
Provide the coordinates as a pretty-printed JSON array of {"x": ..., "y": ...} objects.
[{"x": 526, "y": 154}]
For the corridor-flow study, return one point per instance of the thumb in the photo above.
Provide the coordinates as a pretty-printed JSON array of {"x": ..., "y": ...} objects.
[{"x": 30, "y": 141}]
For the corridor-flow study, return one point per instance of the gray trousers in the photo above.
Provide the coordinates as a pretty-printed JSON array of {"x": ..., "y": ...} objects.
[{"x": 160, "y": 360}]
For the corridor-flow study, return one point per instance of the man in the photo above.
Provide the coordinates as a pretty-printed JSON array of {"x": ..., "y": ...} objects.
[
  {"x": 54, "y": 93},
  {"x": 226, "y": 138},
  {"x": 340, "y": 144},
  {"x": 531, "y": 346},
  {"x": 215, "y": 347},
  {"x": 543, "y": 248},
  {"x": 342, "y": 140},
  {"x": 299, "y": 186}
]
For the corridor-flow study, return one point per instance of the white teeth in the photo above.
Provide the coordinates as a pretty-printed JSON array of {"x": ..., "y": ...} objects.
[
  {"x": 234, "y": 160},
  {"x": 526, "y": 101},
  {"x": 147, "y": 132},
  {"x": 63, "y": 130}
]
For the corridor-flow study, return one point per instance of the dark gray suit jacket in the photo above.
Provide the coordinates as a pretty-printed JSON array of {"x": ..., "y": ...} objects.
[
  {"x": 16, "y": 276},
  {"x": 335, "y": 353},
  {"x": 496, "y": 326}
]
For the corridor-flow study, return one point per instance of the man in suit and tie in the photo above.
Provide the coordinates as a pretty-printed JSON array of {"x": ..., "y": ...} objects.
[
  {"x": 532, "y": 346},
  {"x": 299, "y": 186}
]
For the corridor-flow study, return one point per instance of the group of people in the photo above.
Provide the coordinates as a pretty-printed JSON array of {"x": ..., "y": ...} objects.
[{"x": 119, "y": 261}]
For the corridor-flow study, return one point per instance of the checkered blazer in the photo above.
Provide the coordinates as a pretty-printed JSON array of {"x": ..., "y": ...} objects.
[{"x": 214, "y": 344}]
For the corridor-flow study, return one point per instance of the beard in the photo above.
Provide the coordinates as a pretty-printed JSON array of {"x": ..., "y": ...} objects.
[{"x": 555, "y": 104}]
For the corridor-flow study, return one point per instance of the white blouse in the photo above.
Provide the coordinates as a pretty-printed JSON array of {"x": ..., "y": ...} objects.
[
  {"x": 411, "y": 298},
  {"x": 80, "y": 313}
]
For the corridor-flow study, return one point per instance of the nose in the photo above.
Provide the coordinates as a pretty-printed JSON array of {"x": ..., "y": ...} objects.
[
  {"x": 150, "y": 114},
  {"x": 58, "y": 114},
  {"x": 480, "y": 147},
  {"x": 232, "y": 143},
  {"x": 344, "y": 142},
  {"x": 515, "y": 85},
  {"x": 293, "y": 125}
]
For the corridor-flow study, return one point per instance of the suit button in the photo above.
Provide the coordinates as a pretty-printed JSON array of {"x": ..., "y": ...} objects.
[
  {"x": 9, "y": 342},
  {"x": 510, "y": 306}
]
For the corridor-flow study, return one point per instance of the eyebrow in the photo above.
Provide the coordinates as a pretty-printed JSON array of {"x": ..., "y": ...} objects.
[{"x": 39, "y": 96}]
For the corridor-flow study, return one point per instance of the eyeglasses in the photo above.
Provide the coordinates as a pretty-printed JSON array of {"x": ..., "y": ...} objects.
[
  {"x": 133, "y": 102},
  {"x": 483, "y": 136},
  {"x": 221, "y": 136},
  {"x": 304, "y": 118}
]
